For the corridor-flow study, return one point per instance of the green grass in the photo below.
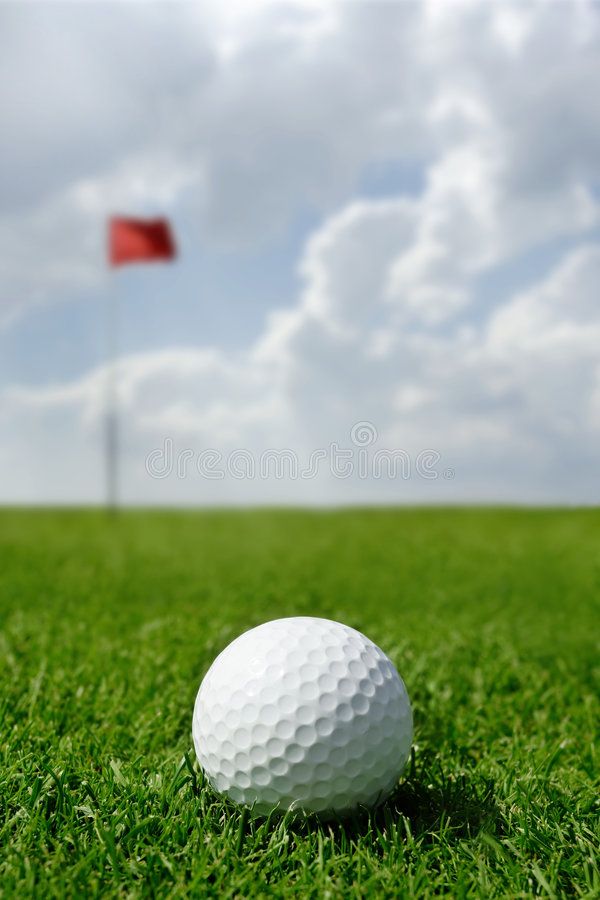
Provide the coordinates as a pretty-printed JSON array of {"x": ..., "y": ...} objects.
[{"x": 107, "y": 627}]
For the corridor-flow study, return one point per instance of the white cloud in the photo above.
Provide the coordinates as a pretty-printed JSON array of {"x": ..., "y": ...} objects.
[
  {"x": 131, "y": 103},
  {"x": 260, "y": 118},
  {"x": 517, "y": 395},
  {"x": 304, "y": 98}
]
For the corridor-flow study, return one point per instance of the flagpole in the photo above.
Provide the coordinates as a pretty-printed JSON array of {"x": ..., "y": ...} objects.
[
  {"x": 129, "y": 240},
  {"x": 111, "y": 436}
]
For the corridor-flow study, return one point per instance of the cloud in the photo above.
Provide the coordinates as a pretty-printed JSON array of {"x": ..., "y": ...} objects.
[
  {"x": 392, "y": 326},
  {"x": 517, "y": 395},
  {"x": 85, "y": 86},
  {"x": 248, "y": 121},
  {"x": 546, "y": 342}
]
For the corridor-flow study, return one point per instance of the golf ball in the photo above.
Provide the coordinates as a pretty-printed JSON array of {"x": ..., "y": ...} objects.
[{"x": 303, "y": 713}]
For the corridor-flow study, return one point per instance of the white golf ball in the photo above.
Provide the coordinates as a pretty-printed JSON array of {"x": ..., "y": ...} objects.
[{"x": 303, "y": 713}]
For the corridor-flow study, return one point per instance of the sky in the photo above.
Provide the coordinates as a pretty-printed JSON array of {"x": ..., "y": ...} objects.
[{"x": 388, "y": 224}]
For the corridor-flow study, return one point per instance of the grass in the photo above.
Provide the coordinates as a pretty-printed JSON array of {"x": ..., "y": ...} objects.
[{"x": 107, "y": 628}]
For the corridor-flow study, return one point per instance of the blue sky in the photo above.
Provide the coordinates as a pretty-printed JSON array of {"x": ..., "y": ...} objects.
[{"x": 386, "y": 213}]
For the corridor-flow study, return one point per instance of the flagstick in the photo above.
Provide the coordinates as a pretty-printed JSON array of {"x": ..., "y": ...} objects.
[
  {"x": 111, "y": 413},
  {"x": 129, "y": 240}
]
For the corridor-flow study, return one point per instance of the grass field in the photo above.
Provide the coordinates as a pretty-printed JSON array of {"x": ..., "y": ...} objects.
[{"x": 107, "y": 628}]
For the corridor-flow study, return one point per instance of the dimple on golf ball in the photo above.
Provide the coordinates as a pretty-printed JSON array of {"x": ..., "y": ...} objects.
[{"x": 303, "y": 713}]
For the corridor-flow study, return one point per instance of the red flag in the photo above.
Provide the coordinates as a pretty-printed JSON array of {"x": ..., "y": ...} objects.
[{"x": 139, "y": 240}]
